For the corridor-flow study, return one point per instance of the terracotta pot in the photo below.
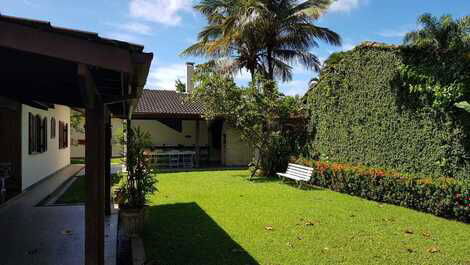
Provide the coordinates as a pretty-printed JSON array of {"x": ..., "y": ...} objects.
[{"x": 132, "y": 221}]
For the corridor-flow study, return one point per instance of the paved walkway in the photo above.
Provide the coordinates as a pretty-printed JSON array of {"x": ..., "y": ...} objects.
[{"x": 50, "y": 235}]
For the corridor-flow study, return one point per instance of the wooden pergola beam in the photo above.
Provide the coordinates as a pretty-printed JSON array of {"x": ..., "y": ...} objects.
[
  {"x": 108, "y": 155},
  {"x": 62, "y": 46}
]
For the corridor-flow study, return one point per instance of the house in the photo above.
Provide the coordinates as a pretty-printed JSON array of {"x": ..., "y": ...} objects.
[
  {"x": 46, "y": 70},
  {"x": 77, "y": 138},
  {"x": 177, "y": 125},
  {"x": 35, "y": 141}
]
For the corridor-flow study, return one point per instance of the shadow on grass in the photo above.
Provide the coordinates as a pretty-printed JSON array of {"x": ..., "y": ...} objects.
[{"x": 184, "y": 234}]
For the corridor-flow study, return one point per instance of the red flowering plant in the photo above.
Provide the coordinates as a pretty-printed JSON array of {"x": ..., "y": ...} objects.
[
  {"x": 445, "y": 196},
  {"x": 463, "y": 199}
]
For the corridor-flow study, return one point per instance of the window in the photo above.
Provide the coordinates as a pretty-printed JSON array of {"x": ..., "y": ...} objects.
[
  {"x": 53, "y": 128},
  {"x": 63, "y": 135},
  {"x": 37, "y": 134}
]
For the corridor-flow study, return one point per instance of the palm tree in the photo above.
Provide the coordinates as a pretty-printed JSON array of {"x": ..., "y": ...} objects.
[
  {"x": 442, "y": 33},
  {"x": 262, "y": 36}
]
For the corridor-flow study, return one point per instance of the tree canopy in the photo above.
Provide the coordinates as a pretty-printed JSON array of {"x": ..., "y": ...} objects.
[{"x": 262, "y": 36}]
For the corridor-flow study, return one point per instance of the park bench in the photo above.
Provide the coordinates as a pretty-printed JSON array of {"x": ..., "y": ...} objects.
[{"x": 300, "y": 174}]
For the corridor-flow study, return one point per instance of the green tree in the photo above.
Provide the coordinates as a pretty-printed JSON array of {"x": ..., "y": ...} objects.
[
  {"x": 260, "y": 112},
  {"x": 442, "y": 33},
  {"x": 444, "y": 73},
  {"x": 262, "y": 36},
  {"x": 180, "y": 86}
]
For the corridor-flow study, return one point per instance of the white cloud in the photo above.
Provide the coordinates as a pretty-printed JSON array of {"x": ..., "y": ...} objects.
[
  {"x": 347, "y": 46},
  {"x": 164, "y": 77},
  {"x": 397, "y": 33},
  {"x": 136, "y": 27},
  {"x": 30, "y": 3},
  {"x": 161, "y": 11},
  {"x": 393, "y": 33},
  {"x": 294, "y": 88},
  {"x": 123, "y": 36},
  {"x": 345, "y": 5}
]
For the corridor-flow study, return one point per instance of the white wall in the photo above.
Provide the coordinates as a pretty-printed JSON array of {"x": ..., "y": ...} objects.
[
  {"x": 38, "y": 166},
  {"x": 164, "y": 135},
  {"x": 235, "y": 151},
  {"x": 78, "y": 150}
]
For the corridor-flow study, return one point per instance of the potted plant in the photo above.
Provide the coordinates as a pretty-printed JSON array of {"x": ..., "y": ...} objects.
[{"x": 137, "y": 183}]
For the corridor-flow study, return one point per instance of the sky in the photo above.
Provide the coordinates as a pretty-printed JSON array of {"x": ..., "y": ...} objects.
[{"x": 167, "y": 27}]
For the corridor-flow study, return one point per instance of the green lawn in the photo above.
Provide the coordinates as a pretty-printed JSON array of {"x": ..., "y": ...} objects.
[
  {"x": 114, "y": 161},
  {"x": 76, "y": 193},
  {"x": 220, "y": 218}
]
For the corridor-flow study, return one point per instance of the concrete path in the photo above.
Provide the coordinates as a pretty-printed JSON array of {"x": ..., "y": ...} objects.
[{"x": 50, "y": 235}]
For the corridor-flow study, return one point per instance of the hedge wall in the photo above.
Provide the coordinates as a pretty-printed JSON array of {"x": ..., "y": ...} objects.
[{"x": 361, "y": 111}]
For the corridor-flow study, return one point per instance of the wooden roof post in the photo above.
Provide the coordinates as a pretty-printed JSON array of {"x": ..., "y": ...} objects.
[
  {"x": 94, "y": 167},
  {"x": 108, "y": 155},
  {"x": 95, "y": 176},
  {"x": 198, "y": 149}
]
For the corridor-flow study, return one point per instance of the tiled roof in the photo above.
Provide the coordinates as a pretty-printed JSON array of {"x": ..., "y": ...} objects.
[{"x": 166, "y": 102}]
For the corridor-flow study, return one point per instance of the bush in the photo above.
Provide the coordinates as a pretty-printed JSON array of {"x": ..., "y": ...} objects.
[
  {"x": 445, "y": 197},
  {"x": 367, "y": 109}
]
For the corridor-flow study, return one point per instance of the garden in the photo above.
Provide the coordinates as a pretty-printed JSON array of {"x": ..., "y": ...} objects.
[{"x": 386, "y": 129}]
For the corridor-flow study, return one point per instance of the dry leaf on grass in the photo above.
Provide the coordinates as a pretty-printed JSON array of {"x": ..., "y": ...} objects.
[
  {"x": 410, "y": 250},
  {"x": 426, "y": 234},
  {"x": 268, "y": 227},
  {"x": 409, "y": 231},
  {"x": 433, "y": 249},
  {"x": 310, "y": 223}
]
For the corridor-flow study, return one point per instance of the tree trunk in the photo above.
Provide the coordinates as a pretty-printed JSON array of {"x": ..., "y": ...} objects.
[{"x": 270, "y": 63}]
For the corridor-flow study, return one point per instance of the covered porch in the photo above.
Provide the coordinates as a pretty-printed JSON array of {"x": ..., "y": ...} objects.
[{"x": 43, "y": 65}]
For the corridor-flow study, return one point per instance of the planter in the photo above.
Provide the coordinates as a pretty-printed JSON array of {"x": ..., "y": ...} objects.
[{"x": 132, "y": 221}]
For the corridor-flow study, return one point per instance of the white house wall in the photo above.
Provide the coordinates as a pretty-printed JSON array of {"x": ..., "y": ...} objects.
[
  {"x": 78, "y": 150},
  {"x": 35, "y": 167},
  {"x": 163, "y": 135},
  {"x": 236, "y": 152}
]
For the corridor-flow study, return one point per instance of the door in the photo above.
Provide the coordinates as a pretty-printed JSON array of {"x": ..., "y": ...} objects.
[{"x": 10, "y": 143}]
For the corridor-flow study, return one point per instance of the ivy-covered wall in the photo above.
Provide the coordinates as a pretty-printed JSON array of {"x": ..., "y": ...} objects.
[{"x": 362, "y": 111}]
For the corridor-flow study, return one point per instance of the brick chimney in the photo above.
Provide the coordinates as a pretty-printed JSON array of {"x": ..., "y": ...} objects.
[{"x": 189, "y": 77}]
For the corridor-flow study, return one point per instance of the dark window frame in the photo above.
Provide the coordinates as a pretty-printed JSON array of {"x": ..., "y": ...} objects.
[{"x": 37, "y": 134}]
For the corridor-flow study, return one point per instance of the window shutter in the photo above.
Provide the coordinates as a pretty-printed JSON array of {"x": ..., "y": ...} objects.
[
  {"x": 66, "y": 136},
  {"x": 45, "y": 133},
  {"x": 38, "y": 141},
  {"x": 31, "y": 133}
]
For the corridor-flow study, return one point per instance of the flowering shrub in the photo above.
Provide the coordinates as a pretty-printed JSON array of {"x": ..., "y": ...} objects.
[{"x": 446, "y": 197}]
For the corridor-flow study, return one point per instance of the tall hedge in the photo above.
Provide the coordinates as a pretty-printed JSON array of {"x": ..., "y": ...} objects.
[{"x": 361, "y": 111}]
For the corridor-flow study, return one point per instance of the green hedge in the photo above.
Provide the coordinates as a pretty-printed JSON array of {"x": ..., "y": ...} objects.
[
  {"x": 361, "y": 111},
  {"x": 446, "y": 197}
]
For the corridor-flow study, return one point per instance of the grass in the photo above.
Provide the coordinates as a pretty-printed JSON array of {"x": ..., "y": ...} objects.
[
  {"x": 221, "y": 218},
  {"x": 76, "y": 193},
  {"x": 114, "y": 161}
]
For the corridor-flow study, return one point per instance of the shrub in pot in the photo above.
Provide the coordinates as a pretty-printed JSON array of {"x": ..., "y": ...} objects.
[{"x": 138, "y": 183}]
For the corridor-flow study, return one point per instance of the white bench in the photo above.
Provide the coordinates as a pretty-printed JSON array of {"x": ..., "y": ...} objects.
[{"x": 300, "y": 174}]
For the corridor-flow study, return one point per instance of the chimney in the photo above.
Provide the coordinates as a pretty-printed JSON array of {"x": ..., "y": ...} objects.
[{"x": 189, "y": 77}]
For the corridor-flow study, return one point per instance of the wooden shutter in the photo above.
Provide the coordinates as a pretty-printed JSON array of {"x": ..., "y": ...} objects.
[
  {"x": 60, "y": 134},
  {"x": 66, "y": 135},
  {"x": 31, "y": 132},
  {"x": 38, "y": 137},
  {"x": 44, "y": 138}
]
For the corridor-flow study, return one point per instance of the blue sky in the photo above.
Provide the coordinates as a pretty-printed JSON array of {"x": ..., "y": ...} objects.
[{"x": 166, "y": 27}]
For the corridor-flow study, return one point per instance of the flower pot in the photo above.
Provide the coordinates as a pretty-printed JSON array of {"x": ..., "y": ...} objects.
[{"x": 132, "y": 221}]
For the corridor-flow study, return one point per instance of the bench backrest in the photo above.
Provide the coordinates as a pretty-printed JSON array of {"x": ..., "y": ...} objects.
[{"x": 299, "y": 171}]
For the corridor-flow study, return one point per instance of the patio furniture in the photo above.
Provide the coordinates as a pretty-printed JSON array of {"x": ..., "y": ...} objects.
[
  {"x": 300, "y": 174},
  {"x": 173, "y": 159},
  {"x": 5, "y": 173}
]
